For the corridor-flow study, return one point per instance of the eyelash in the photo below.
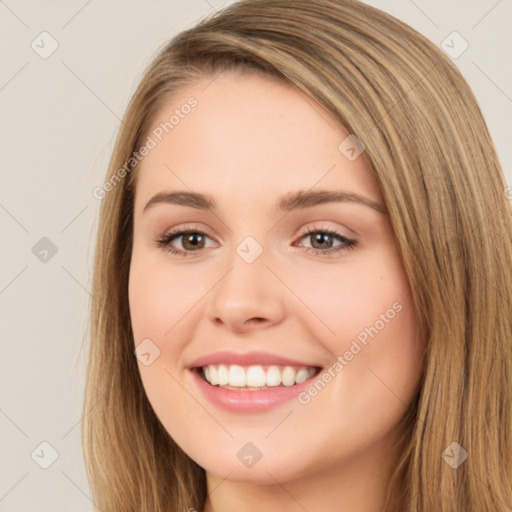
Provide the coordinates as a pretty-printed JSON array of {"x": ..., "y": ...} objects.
[{"x": 165, "y": 240}]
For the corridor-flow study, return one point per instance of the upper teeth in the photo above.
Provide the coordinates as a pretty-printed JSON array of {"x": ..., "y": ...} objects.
[{"x": 256, "y": 376}]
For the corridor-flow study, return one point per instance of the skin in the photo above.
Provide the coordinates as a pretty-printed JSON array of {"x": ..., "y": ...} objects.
[{"x": 249, "y": 141}]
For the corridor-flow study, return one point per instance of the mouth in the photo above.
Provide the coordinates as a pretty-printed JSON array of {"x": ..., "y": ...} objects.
[
  {"x": 251, "y": 382},
  {"x": 255, "y": 377}
]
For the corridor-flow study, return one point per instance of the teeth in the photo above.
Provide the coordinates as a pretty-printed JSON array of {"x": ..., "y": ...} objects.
[
  {"x": 214, "y": 379},
  {"x": 302, "y": 375},
  {"x": 288, "y": 376},
  {"x": 237, "y": 376},
  {"x": 273, "y": 376},
  {"x": 222, "y": 375},
  {"x": 255, "y": 377}
]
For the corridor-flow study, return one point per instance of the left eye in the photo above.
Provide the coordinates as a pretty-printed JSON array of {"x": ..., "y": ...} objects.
[{"x": 323, "y": 239}]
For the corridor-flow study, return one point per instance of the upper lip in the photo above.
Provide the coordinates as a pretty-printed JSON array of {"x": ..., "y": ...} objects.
[{"x": 248, "y": 359}]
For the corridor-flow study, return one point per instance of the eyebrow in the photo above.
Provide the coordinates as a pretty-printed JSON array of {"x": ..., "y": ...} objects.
[{"x": 288, "y": 202}]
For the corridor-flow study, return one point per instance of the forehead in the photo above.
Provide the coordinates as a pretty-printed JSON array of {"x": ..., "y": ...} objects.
[{"x": 247, "y": 138}]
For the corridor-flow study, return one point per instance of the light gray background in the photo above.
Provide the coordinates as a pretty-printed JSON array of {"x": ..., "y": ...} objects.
[{"x": 59, "y": 117}]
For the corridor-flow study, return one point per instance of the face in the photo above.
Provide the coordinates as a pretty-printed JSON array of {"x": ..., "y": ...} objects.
[{"x": 283, "y": 274}]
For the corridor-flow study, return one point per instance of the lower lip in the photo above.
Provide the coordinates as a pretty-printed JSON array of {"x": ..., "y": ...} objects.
[{"x": 249, "y": 401}]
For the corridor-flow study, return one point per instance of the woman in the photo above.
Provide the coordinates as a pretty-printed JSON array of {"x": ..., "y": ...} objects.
[{"x": 302, "y": 278}]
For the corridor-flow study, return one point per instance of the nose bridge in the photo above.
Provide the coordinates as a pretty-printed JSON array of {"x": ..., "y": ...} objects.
[{"x": 248, "y": 291}]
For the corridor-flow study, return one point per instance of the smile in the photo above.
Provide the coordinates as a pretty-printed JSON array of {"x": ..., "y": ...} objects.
[
  {"x": 250, "y": 382},
  {"x": 255, "y": 377}
]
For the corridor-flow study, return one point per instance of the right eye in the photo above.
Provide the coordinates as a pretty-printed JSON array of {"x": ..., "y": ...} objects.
[{"x": 191, "y": 241}]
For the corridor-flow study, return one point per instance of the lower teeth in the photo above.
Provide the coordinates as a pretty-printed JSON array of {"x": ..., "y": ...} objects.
[{"x": 247, "y": 388}]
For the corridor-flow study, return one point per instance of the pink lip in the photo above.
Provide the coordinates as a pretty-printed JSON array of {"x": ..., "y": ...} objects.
[
  {"x": 247, "y": 359},
  {"x": 248, "y": 401}
]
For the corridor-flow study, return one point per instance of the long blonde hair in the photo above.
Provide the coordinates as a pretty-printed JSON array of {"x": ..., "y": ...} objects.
[{"x": 428, "y": 146}]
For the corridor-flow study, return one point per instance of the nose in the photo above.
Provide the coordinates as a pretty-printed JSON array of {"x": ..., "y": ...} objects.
[{"x": 249, "y": 297}]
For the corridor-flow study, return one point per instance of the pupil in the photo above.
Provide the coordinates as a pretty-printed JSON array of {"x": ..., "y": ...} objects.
[
  {"x": 192, "y": 239},
  {"x": 322, "y": 238}
]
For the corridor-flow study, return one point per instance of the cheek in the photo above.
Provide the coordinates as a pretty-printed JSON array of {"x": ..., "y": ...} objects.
[
  {"x": 352, "y": 297},
  {"x": 368, "y": 320},
  {"x": 159, "y": 298},
  {"x": 162, "y": 307}
]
